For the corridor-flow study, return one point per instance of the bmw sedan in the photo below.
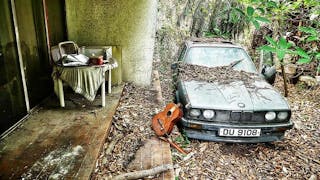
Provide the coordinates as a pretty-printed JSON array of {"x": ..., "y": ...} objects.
[{"x": 223, "y": 96}]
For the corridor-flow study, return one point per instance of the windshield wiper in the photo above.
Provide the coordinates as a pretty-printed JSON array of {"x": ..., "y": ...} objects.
[{"x": 232, "y": 64}]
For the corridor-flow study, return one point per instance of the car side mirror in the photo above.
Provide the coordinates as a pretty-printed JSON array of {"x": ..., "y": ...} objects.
[
  {"x": 174, "y": 66},
  {"x": 269, "y": 73}
]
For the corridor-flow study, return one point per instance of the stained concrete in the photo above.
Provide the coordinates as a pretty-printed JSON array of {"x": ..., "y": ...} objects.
[
  {"x": 128, "y": 24},
  {"x": 57, "y": 143}
]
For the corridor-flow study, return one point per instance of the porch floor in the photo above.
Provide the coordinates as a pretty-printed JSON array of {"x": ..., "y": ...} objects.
[{"x": 58, "y": 143}]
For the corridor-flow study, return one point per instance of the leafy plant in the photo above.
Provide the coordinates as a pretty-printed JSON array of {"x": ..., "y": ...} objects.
[
  {"x": 312, "y": 33},
  {"x": 280, "y": 47},
  {"x": 301, "y": 85},
  {"x": 306, "y": 57},
  {"x": 224, "y": 21},
  {"x": 217, "y": 33},
  {"x": 252, "y": 16},
  {"x": 304, "y": 15},
  {"x": 183, "y": 139}
]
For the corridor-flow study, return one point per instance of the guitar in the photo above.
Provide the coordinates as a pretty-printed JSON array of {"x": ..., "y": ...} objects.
[{"x": 163, "y": 122}]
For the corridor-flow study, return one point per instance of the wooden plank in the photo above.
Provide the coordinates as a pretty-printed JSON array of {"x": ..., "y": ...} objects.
[
  {"x": 98, "y": 139},
  {"x": 153, "y": 153}
]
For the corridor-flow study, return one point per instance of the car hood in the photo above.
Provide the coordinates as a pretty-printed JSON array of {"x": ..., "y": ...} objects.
[{"x": 257, "y": 96}]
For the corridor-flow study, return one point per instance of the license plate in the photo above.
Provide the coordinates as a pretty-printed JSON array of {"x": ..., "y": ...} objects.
[{"x": 239, "y": 132}]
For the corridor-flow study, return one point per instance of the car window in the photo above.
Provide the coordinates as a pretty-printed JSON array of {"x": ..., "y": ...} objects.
[{"x": 220, "y": 56}]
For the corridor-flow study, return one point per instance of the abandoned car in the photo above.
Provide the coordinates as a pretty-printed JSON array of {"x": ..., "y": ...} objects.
[{"x": 224, "y": 98}]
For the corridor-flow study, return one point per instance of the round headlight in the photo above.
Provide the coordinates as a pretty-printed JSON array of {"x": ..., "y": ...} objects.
[
  {"x": 208, "y": 114},
  {"x": 270, "y": 116},
  {"x": 195, "y": 112},
  {"x": 282, "y": 115}
]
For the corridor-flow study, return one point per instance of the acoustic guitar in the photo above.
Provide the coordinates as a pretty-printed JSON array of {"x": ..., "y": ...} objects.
[{"x": 163, "y": 122}]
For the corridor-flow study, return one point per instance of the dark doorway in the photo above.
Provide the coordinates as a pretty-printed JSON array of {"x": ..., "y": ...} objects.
[{"x": 31, "y": 27}]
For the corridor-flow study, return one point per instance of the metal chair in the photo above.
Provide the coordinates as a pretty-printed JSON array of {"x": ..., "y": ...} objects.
[{"x": 68, "y": 47}]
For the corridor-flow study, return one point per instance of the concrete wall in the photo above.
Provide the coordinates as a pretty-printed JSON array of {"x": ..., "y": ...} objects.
[
  {"x": 126, "y": 23},
  {"x": 56, "y": 21}
]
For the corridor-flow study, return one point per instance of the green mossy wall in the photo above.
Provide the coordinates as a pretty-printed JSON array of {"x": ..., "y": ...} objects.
[
  {"x": 56, "y": 21},
  {"x": 126, "y": 23}
]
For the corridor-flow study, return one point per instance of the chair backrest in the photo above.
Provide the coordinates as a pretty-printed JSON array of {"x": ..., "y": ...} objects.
[
  {"x": 55, "y": 53},
  {"x": 68, "y": 47}
]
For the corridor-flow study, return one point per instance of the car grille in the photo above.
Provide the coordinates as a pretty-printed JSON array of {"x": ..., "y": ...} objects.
[{"x": 239, "y": 117}]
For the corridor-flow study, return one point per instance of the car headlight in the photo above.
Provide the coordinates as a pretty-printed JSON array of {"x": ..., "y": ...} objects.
[
  {"x": 195, "y": 112},
  {"x": 270, "y": 116},
  {"x": 208, "y": 114},
  {"x": 282, "y": 115}
]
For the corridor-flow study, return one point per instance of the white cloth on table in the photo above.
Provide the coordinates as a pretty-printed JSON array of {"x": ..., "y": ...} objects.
[{"x": 84, "y": 80}]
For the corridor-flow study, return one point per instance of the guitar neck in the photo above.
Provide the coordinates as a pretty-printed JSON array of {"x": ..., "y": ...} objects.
[{"x": 174, "y": 145}]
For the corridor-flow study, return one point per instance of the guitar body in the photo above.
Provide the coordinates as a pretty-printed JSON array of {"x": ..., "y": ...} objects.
[{"x": 163, "y": 122}]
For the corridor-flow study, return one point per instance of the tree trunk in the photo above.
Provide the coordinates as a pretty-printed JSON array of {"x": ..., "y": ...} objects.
[{"x": 284, "y": 81}]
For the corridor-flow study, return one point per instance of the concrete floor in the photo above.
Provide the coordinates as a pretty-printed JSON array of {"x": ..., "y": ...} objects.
[{"x": 57, "y": 143}]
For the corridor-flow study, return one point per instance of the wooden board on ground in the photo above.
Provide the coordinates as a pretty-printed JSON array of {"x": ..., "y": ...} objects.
[{"x": 153, "y": 153}]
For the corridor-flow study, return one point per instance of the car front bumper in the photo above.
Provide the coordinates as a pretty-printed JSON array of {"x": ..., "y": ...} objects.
[{"x": 209, "y": 131}]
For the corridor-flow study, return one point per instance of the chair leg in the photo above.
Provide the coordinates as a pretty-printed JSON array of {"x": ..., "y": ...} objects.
[
  {"x": 109, "y": 81},
  {"x": 61, "y": 94},
  {"x": 103, "y": 93}
]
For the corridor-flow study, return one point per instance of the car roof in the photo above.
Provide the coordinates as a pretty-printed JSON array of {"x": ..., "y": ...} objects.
[{"x": 212, "y": 42}]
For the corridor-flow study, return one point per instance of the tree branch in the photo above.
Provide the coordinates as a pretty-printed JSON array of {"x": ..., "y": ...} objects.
[{"x": 143, "y": 173}]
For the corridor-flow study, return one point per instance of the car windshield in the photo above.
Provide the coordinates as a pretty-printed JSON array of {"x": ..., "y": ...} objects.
[{"x": 220, "y": 56}]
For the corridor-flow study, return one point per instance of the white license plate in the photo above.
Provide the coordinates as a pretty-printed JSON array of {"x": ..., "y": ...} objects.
[{"x": 239, "y": 132}]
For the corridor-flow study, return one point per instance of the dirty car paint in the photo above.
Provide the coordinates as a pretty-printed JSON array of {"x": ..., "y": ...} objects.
[{"x": 237, "y": 96}]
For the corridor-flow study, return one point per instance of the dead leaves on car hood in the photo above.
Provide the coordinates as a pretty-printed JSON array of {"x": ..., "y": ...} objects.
[{"x": 221, "y": 74}]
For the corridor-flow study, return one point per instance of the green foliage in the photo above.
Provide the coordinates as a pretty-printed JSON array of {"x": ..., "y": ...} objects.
[
  {"x": 305, "y": 57},
  {"x": 183, "y": 140},
  {"x": 311, "y": 34},
  {"x": 253, "y": 16},
  {"x": 280, "y": 47},
  {"x": 225, "y": 22},
  {"x": 307, "y": 53},
  {"x": 279, "y": 12},
  {"x": 301, "y": 86},
  {"x": 217, "y": 33}
]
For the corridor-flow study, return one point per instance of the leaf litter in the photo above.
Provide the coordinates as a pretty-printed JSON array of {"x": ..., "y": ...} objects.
[{"x": 296, "y": 157}]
